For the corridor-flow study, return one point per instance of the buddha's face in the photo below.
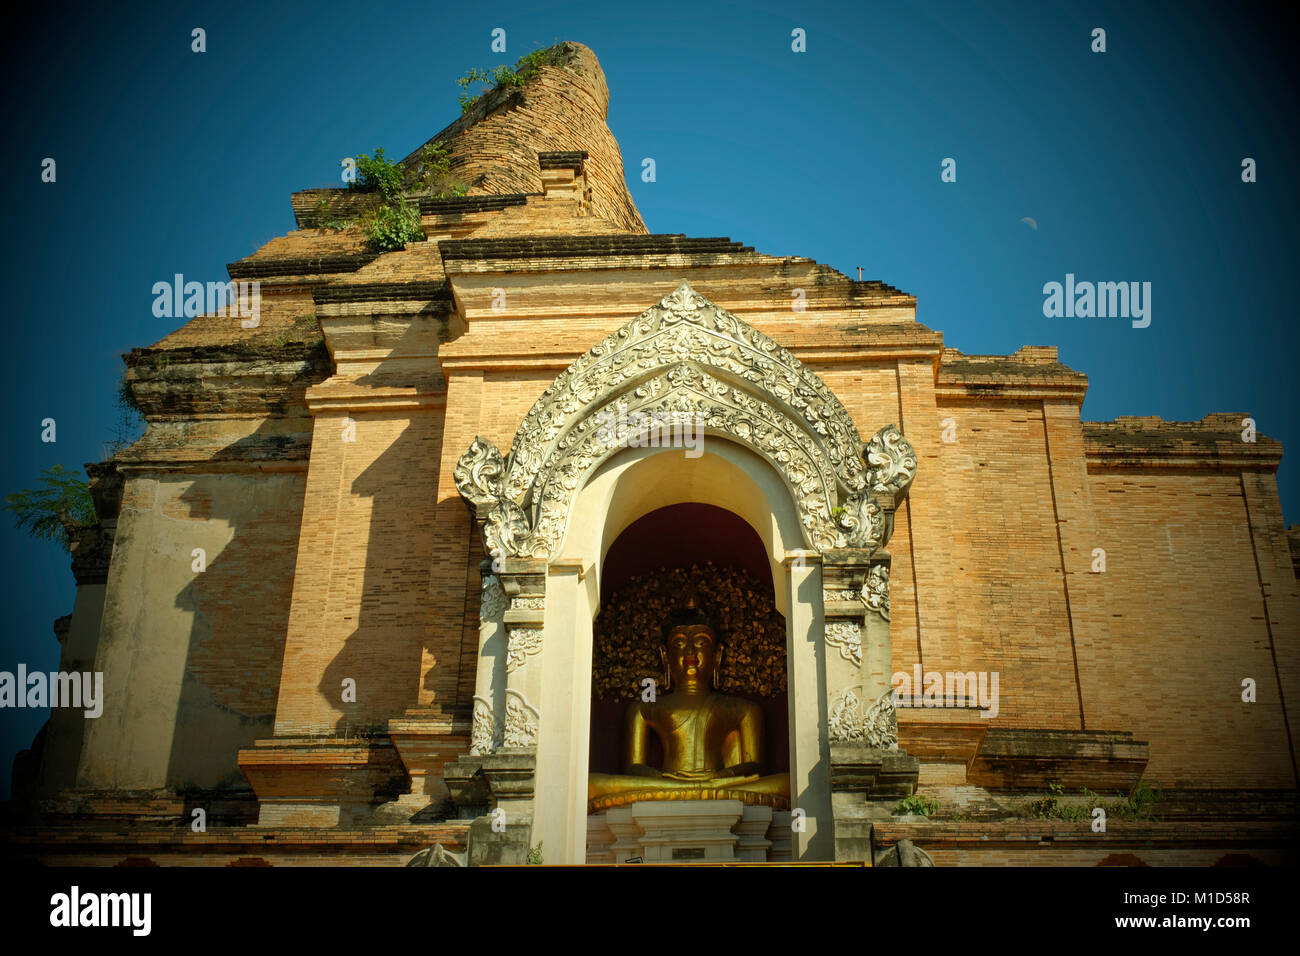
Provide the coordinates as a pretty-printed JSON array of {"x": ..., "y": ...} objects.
[{"x": 692, "y": 654}]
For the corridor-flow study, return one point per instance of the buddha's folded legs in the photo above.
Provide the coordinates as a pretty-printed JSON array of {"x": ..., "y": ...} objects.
[
  {"x": 777, "y": 784},
  {"x": 606, "y": 789}
]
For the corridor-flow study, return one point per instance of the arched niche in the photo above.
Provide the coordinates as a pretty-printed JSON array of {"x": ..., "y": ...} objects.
[
  {"x": 643, "y": 480},
  {"x": 628, "y": 486},
  {"x": 710, "y": 545}
]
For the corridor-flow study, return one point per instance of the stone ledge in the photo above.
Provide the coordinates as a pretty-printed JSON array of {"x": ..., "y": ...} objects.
[
  {"x": 1030, "y": 364},
  {"x": 1018, "y": 759},
  {"x": 145, "y": 811},
  {"x": 432, "y": 291},
  {"x": 568, "y": 247},
  {"x": 321, "y": 783},
  {"x": 271, "y": 266},
  {"x": 231, "y": 846},
  {"x": 478, "y": 783},
  {"x": 1119, "y": 833},
  {"x": 947, "y": 734},
  {"x": 874, "y": 773},
  {"x": 562, "y": 159},
  {"x": 1149, "y": 441}
]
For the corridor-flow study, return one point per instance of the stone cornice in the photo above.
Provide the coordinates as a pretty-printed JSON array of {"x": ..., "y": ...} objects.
[
  {"x": 463, "y": 205},
  {"x": 1120, "y": 834},
  {"x": 555, "y": 361},
  {"x": 604, "y": 247},
  {"x": 386, "y": 400},
  {"x": 1040, "y": 391},
  {"x": 1214, "y": 443},
  {"x": 433, "y": 292},
  {"x": 193, "y": 384},
  {"x": 271, "y": 266},
  {"x": 1032, "y": 372},
  {"x": 212, "y": 467},
  {"x": 220, "y": 442}
]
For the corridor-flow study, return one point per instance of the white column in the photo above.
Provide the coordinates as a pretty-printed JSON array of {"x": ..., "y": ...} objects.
[
  {"x": 810, "y": 784},
  {"x": 490, "y": 677},
  {"x": 560, "y": 815}
]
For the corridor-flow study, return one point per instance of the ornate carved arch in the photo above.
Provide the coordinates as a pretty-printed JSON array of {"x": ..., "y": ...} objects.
[{"x": 687, "y": 356}]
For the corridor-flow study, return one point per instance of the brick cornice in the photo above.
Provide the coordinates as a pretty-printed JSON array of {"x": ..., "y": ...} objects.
[{"x": 1214, "y": 443}]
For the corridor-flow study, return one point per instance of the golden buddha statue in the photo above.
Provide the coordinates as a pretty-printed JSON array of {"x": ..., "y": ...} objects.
[{"x": 713, "y": 743}]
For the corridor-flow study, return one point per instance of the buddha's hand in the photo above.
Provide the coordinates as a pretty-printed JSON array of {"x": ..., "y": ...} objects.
[
  {"x": 733, "y": 781},
  {"x": 713, "y": 778},
  {"x": 691, "y": 775}
]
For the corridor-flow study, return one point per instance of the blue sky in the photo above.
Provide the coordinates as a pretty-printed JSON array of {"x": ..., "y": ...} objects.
[{"x": 1129, "y": 161}]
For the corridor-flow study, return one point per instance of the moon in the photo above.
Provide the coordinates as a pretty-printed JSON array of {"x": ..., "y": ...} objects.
[{"x": 1031, "y": 223}]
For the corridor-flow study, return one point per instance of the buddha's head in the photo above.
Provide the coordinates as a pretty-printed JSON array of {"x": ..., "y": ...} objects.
[{"x": 692, "y": 653}]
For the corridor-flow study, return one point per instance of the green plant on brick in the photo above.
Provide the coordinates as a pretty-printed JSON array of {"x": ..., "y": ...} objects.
[
  {"x": 392, "y": 218},
  {"x": 326, "y": 218},
  {"x": 918, "y": 804},
  {"x": 504, "y": 77},
  {"x": 535, "y": 855},
  {"x": 59, "y": 504},
  {"x": 130, "y": 422},
  {"x": 1051, "y": 808},
  {"x": 379, "y": 174},
  {"x": 126, "y": 397},
  {"x": 1140, "y": 805},
  {"x": 432, "y": 173},
  {"x": 390, "y": 227}
]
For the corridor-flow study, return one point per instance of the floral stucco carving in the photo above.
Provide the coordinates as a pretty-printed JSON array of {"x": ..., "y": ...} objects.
[
  {"x": 876, "y": 591},
  {"x": 523, "y": 641},
  {"x": 522, "y": 721},
  {"x": 687, "y": 355},
  {"x": 492, "y": 600},
  {"x": 847, "y": 636},
  {"x": 891, "y": 462},
  {"x": 483, "y": 735},
  {"x": 876, "y": 727}
]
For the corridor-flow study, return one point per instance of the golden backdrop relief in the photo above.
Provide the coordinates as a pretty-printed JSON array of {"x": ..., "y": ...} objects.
[{"x": 629, "y": 631}]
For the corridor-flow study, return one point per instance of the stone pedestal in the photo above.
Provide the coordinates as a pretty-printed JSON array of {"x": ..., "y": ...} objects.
[
  {"x": 874, "y": 772},
  {"x": 480, "y": 784},
  {"x": 321, "y": 783},
  {"x": 426, "y": 740},
  {"x": 498, "y": 846},
  {"x": 867, "y": 782},
  {"x": 752, "y": 844},
  {"x": 686, "y": 831}
]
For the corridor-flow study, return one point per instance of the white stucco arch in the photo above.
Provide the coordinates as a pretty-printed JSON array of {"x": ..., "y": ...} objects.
[
  {"x": 689, "y": 360},
  {"x": 639, "y": 481}
]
